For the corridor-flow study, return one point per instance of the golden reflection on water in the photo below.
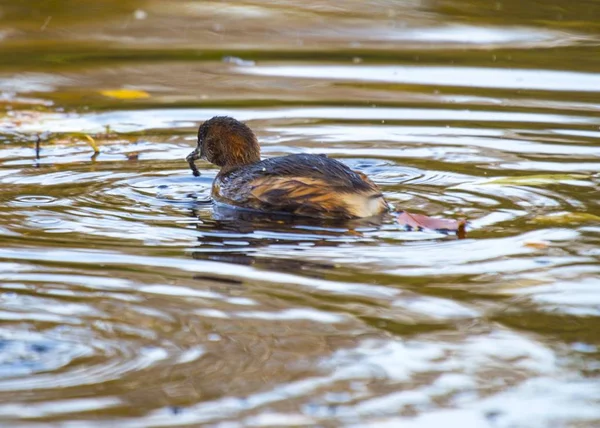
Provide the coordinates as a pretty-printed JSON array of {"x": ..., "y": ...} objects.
[{"x": 126, "y": 299}]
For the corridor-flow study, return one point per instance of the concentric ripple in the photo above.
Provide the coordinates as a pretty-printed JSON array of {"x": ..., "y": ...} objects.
[
  {"x": 128, "y": 299},
  {"x": 141, "y": 294}
]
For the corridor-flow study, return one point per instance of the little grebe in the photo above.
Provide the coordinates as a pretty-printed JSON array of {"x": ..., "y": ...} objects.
[{"x": 300, "y": 184}]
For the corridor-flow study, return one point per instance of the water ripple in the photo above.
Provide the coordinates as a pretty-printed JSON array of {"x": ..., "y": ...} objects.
[
  {"x": 480, "y": 77},
  {"x": 128, "y": 299}
]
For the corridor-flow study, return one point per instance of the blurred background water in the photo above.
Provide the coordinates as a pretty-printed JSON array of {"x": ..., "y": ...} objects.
[{"x": 126, "y": 301}]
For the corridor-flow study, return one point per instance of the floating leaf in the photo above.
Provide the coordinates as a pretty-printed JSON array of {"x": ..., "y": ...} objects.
[
  {"x": 536, "y": 180},
  {"x": 421, "y": 222},
  {"x": 567, "y": 218},
  {"x": 125, "y": 94}
]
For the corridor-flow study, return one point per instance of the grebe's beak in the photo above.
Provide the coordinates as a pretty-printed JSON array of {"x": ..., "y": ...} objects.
[{"x": 190, "y": 160}]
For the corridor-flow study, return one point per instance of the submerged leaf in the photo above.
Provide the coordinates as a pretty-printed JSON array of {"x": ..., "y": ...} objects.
[
  {"x": 538, "y": 245},
  {"x": 423, "y": 222},
  {"x": 125, "y": 94},
  {"x": 567, "y": 218}
]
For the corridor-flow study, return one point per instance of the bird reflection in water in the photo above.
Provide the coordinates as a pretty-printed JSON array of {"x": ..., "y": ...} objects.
[{"x": 259, "y": 229}]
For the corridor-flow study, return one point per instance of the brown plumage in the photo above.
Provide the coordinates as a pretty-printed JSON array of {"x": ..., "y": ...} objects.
[{"x": 300, "y": 184}]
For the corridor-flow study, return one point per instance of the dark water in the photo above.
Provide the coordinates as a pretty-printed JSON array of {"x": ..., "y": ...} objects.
[{"x": 127, "y": 301}]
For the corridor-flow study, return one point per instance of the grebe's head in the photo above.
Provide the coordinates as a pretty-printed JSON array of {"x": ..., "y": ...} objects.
[{"x": 225, "y": 141}]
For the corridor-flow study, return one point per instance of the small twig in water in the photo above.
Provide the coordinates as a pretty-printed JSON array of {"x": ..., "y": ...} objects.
[
  {"x": 38, "y": 140},
  {"x": 92, "y": 144},
  {"x": 45, "y": 24}
]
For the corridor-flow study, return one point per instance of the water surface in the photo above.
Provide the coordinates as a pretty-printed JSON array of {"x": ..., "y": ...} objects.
[{"x": 127, "y": 300}]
